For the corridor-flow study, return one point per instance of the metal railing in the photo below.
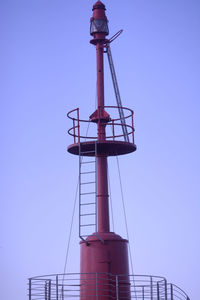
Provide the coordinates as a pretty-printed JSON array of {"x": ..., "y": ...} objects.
[
  {"x": 100, "y": 286},
  {"x": 115, "y": 124}
]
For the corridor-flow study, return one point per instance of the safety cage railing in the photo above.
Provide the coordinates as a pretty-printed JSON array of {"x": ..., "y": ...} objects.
[
  {"x": 85, "y": 130},
  {"x": 100, "y": 286}
]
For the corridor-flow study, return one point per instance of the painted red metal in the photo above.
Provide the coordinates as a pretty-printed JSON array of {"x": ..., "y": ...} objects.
[
  {"x": 108, "y": 148},
  {"x": 100, "y": 117},
  {"x": 105, "y": 252},
  {"x": 100, "y": 262},
  {"x": 99, "y": 28},
  {"x": 114, "y": 143}
]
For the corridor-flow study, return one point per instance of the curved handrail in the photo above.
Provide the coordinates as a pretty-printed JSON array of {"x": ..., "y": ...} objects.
[
  {"x": 174, "y": 289},
  {"x": 134, "y": 287},
  {"x": 159, "y": 278},
  {"x": 110, "y": 106},
  {"x": 94, "y": 137},
  {"x": 115, "y": 124}
]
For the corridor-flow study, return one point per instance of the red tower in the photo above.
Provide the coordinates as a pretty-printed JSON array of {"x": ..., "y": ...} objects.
[
  {"x": 104, "y": 253},
  {"x": 104, "y": 271}
]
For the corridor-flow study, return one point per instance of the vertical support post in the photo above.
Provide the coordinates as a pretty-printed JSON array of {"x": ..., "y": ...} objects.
[
  {"x": 171, "y": 292},
  {"x": 102, "y": 181},
  {"x": 79, "y": 189},
  {"x": 29, "y": 289},
  {"x": 132, "y": 127},
  {"x": 78, "y": 125},
  {"x": 74, "y": 132},
  {"x": 45, "y": 291},
  {"x": 62, "y": 292},
  {"x": 113, "y": 129},
  {"x": 100, "y": 90},
  {"x": 117, "y": 287},
  {"x": 166, "y": 289},
  {"x": 102, "y": 195},
  {"x": 158, "y": 291},
  {"x": 56, "y": 287},
  {"x": 151, "y": 286},
  {"x": 143, "y": 293},
  {"x": 49, "y": 290}
]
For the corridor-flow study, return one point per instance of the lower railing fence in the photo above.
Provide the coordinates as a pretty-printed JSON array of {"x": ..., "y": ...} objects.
[{"x": 102, "y": 286}]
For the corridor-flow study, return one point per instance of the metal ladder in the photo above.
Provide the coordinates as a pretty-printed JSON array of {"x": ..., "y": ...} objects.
[
  {"x": 117, "y": 94},
  {"x": 87, "y": 192}
]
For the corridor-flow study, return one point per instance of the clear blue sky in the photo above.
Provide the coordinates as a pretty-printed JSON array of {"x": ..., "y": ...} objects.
[{"x": 47, "y": 67}]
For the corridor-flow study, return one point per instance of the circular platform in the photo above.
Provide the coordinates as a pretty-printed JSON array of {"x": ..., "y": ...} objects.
[{"x": 107, "y": 148}]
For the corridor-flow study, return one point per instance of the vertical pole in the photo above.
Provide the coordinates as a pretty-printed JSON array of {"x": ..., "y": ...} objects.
[
  {"x": 142, "y": 293},
  {"x": 45, "y": 291},
  {"x": 56, "y": 287},
  {"x": 171, "y": 292},
  {"x": 78, "y": 125},
  {"x": 158, "y": 291},
  {"x": 62, "y": 292},
  {"x": 151, "y": 280},
  {"x": 100, "y": 91},
  {"x": 79, "y": 189},
  {"x": 102, "y": 180},
  {"x": 102, "y": 195},
  {"x": 113, "y": 127},
  {"x": 49, "y": 292},
  {"x": 74, "y": 132},
  {"x": 132, "y": 127},
  {"x": 166, "y": 289},
  {"x": 29, "y": 293},
  {"x": 117, "y": 288}
]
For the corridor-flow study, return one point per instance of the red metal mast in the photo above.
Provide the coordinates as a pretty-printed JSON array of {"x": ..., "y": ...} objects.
[
  {"x": 104, "y": 252},
  {"x": 99, "y": 30}
]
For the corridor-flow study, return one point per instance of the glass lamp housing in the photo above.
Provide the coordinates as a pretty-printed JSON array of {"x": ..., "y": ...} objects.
[{"x": 99, "y": 26}]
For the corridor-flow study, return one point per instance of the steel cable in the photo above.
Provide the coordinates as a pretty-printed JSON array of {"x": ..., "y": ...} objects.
[
  {"x": 70, "y": 231},
  {"x": 126, "y": 224}
]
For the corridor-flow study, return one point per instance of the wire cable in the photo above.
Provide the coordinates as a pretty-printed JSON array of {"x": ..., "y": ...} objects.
[
  {"x": 87, "y": 131},
  {"x": 124, "y": 211},
  {"x": 126, "y": 224},
  {"x": 70, "y": 231}
]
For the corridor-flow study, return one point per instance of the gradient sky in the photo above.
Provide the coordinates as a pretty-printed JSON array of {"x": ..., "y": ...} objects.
[{"x": 48, "y": 68}]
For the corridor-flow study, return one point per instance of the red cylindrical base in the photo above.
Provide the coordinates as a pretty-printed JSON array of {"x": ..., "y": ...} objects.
[{"x": 104, "y": 267}]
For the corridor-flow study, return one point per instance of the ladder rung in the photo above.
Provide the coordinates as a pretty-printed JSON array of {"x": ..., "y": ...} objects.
[
  {"x": 88, "y": 162},
  {"x": 87, "y": 193},
  {"x": 90, "y": 203},
  {"x": 88, "y": 172},
  {"x": 87, "y": 182},
  {"x": 84, "y": 235},
  {"x": 83, "y": 215},
  {"x": 87, "y": 225}
]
